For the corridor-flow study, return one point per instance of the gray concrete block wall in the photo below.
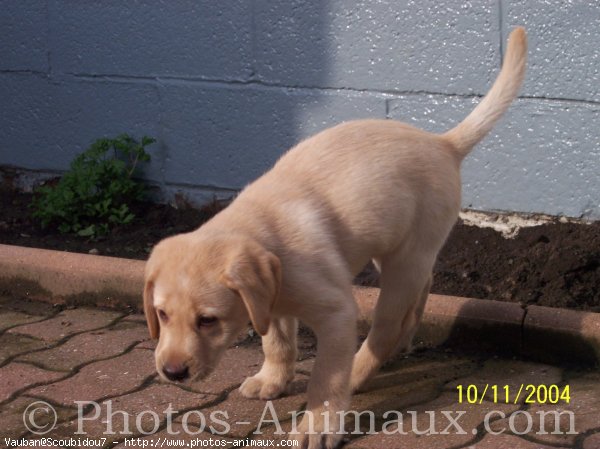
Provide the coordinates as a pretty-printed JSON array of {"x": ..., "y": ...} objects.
[
  {"x": 24, "y": 32},
  {"x": 227, "y": 87},
  {"x": 181, "y": 39},
  {"x": 242, "y": 153},
  {"x": 378, "y": 45}
]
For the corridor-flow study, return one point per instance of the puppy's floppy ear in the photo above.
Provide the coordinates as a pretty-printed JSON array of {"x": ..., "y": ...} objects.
[
  {"x": 255, "y": 274},
  {"x": 149, "y": 310}
]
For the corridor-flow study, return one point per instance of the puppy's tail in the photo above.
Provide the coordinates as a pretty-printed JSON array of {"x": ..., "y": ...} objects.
[{"x": 481, "y": 120}]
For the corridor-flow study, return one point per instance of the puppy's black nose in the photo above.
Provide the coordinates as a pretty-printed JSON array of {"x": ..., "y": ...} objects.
[{"x": 176, "y": 372}]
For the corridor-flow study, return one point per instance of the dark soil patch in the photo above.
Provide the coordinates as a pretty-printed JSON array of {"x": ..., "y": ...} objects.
[
  {"x": 153, "y": 222},
  {"x": 555, "y": 265}
]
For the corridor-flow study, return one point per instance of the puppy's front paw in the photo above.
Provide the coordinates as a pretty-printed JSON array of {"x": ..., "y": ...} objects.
[
  {"x": 316, "y": 441},
  {"x": 309, "y": 436},
  {"x": 261, "y": 387}
]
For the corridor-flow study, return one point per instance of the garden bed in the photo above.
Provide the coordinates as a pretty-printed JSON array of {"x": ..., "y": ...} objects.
[{"x": 555, "y": 264}]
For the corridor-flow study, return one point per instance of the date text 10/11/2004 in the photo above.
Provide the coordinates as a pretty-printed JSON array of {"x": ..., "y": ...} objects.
[{"x": 505, "y": 394}]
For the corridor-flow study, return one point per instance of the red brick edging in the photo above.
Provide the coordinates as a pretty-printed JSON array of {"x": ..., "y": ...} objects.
[{"x": 544, "y": 333}]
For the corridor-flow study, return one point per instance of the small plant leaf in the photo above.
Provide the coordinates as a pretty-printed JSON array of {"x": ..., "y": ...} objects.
[
  {"x": 87, "y": 232},
  {"x": 94, "y": 194}
]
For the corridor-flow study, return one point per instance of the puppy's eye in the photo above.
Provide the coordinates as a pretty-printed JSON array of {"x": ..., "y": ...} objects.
[
  {"x": 205, "y": 321},
  {"x": 163, "y": 315}
]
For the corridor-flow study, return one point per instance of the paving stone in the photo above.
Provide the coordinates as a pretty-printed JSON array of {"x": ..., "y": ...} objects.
[
  {"x": 237, "y": 364},
  {"x": 421, "y": 382},
  {"x": 274, "y": 432},
  {"x": 16, "y": 376},
  {"x": 305, "y": 366},
  {"x": 584, "y": 406},
  {"x": 430, "y": 426},
  {"x": 592, "y": 441},
  {"x": 412, "y": 380},
  {"x": 12, "y": 416},
  {"x": 503, "y": 372},
  {"x": 90, "y": 346},
  {"x": 147, "y": 344},
  {"x": 67, "y": 322},
  {"x": 409, "y": 381},
  {"x": 13, "y": 344},
  {"x": 509, "y": 442},
  {"x": 246, "y": 354},
  {"x": 134, "y": 414},
  {"x": 243, "y": 415},
  {"x": 178, "y": 432},
  {"x": 27, "y": 306},
  {"x": 9, "y": 318},
  {"x": 307, "y": 343},
  {"x": 232, "y": 370},
  {"x": 420, "y": 366},
  {"x": 98, "y": 380},
  {"x": 136, "y": 317}
]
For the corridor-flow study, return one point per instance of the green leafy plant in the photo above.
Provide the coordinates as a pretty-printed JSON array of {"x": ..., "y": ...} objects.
[{"x": 97, "y": 191}]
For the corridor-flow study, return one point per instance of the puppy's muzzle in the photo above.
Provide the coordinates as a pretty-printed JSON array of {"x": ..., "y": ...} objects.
[{"x": 176, "y": 372}]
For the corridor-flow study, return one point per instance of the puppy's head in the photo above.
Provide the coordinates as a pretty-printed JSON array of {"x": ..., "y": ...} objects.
[{"x": 200, "y": 293}]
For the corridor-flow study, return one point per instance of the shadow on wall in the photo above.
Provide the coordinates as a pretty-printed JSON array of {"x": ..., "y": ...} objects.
[
  {"x": 214, "y": 82},
  {"x": 222, "y": 135}
]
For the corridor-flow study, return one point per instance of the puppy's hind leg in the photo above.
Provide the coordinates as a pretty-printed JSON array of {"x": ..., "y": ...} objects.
[
  {"x": 412, "y": 321},
  {"x": 281, "y": 352},
  {"x": 405, "y": 283}
]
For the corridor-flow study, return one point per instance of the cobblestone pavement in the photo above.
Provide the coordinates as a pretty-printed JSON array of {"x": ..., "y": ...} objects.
[{"x": 69, "y": 358}]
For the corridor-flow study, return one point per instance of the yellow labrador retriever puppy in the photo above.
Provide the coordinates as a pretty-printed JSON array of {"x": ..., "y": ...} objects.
[{"x": 288, "y": 247}]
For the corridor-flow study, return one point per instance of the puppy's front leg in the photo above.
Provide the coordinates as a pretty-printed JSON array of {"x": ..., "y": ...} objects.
[
  {"x": 280, "y": 348},
  {"x": 329, "y": 389}
]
